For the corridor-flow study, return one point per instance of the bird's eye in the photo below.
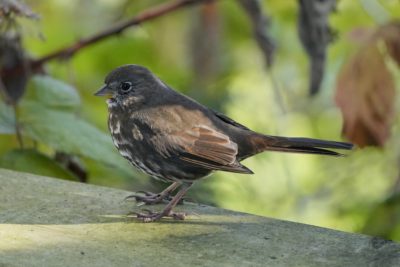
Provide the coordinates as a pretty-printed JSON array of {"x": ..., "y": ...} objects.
[{"x": 125, "y": 86}]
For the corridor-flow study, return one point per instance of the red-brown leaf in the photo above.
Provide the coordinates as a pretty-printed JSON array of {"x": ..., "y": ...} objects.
[{"x": 365, "y": 89}]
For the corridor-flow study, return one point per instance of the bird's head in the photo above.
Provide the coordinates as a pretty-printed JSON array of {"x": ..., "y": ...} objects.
[{"x": 130, "y": 85}]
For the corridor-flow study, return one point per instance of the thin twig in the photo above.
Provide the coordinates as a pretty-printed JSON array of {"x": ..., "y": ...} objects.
[
  {"x": 18, "y": 133},
  {"x": 279, "y": 99}
]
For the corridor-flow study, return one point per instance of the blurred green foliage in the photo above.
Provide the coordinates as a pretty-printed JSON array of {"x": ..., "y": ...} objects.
[
  {"x": 341, "y": 193},
  {"x": 30, "y": 160}
]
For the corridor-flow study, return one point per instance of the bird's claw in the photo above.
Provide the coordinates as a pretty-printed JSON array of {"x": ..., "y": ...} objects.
[{"x": 149, "y": 198}]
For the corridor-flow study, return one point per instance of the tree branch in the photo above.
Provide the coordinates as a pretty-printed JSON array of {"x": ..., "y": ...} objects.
[
  {"x": 142, "y": 17},
  {"x": 68, "y": 51}
]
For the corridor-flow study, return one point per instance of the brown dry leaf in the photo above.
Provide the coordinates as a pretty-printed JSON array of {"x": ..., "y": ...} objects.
[{"x": 365, "y": 90}]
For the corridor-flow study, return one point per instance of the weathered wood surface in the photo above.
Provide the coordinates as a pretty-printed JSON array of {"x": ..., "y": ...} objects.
[{"x": 50, "y": 222}]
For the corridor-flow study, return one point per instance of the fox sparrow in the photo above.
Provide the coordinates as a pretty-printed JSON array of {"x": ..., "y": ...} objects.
[{"x": 176, "y": 139}]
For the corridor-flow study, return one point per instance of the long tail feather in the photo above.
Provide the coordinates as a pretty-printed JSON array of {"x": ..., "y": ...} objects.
[{"x": 304, "y": 145}]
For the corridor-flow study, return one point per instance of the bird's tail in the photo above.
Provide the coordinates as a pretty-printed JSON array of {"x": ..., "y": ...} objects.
[{"x": 302, "y": 145}]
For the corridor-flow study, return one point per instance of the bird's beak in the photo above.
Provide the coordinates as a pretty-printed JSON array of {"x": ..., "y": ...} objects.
[{"x": 104, "y": 91}]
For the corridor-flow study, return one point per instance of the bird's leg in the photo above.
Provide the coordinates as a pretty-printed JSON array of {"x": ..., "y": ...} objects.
[
  {"x": 150, "y": 198},
  {"x": 150, "y": 216}
]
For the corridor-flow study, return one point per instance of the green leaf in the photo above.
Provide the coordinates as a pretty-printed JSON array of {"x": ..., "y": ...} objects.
[
  {"x": 53, "y": 93},
  {"x": 7, "y": 119},
  {"x": 32, "y": 161},
  {"x": 67, "y": 132}
]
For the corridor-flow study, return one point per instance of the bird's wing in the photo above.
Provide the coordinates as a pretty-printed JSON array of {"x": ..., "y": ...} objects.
[{"x": 208, "y": 148}]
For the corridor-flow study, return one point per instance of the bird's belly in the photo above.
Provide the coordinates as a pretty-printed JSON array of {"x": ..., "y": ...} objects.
[{"x": 144, "y": 157}]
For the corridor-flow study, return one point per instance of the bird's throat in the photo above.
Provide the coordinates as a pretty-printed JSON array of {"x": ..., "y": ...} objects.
[{"x": 111, "y": 102}]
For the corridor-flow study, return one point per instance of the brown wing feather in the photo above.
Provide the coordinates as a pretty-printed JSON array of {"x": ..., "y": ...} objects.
[
  {"x": 213, "y": 146},
  {"x": 236, "y": 167},
  {"x": 209, "y": 148}
]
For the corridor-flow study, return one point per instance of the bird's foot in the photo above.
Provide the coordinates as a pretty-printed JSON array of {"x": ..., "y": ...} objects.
[
  {"x": 149, "y": 198},
  {"x": 151, "y": 216}
]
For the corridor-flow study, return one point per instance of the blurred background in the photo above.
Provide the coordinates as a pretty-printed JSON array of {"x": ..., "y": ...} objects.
[{"x": 293, "y": 68}]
